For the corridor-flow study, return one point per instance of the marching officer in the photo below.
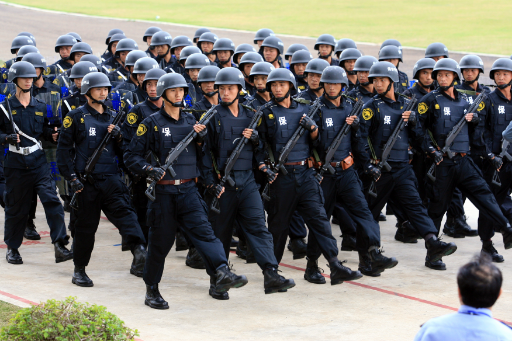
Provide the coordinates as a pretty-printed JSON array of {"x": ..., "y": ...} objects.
[
  {"x": 205, "y": 44},
  {"x": 206, "y": 81},
  {"x": 102, "y": 189},
  {"x": 115, "y": 61},
  {"x": 271, "y": 49},
  {"x": 246, "y": 63},
  {"x": 342, "y": 45},
  {"x": 471, "y": 66},
  {"x": 63, "y": 48},
  {"x": 348, "y": 60},
  {"x": 162, "y": 41},
  {"x": 177, "y": 45},
  {"x": 261, "y": 35},
  {"x": 291, "y": 50},
  {"x": 440, "y": 111},
  {"x": 312, "y": 75},
  {"x": 380, "y": 117},
  {"x": 241, "y": 202},
  {"x": 364, "y": 89},
  {"x": 436, "y": 51},
  {"x": 241, "y": 50},
  {"x": 258, "y": 76},
  {"x": 79, "y": 50},
  {"x": 224, "y": 49},
  {"x": 16, "y": 45},
  {"x": 136, "y": 76},
  {"x": 422, "y": 73},
  {"x": 393, "y": 54},
  {"x": 344, "y": 186},
  {"x": 193, "y": 66},
  {"x": 25, "y": 165},
  {"x": 177, "y": 200},
  {"x": 123, "y": 47},
  {"x": 325, "y": 45},
  {"x": 108, "y": 53},
  {"x": 148, "y": 35},
  {"x": 498, "y": 114},
  {"x": 298, "y": 190},
  {"x": 75, "y": 98},
  {"x": 298, "y": 63},
  {"x": 198, "y": 33}
]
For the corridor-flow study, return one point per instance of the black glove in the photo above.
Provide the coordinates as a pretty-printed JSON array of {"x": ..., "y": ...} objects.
[
  {"x": 438, "y": 156},
  {"x": 12, "y": 139},
  {"x": 201, "y": 135},
  {"x": 255, "y": 138},
  {"x": 155, "y": 173},
  {"x": 217, "y": 189},
  {"x": 308, "y": 124},
  {"x": 271, "y": 176},
  {"x": 355, "y": 124},
  {"x": 76, "y": 185},
  {"x": 116, "y": 132},
  {"x": 497, "y": 162},
  {"x": 412, "y": 119},
  {"x": 373, "y": 171},
  {"x": 475, "y": 118}
]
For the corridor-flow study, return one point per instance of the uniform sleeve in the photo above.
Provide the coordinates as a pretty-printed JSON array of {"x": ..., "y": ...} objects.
[
  {"x": 134, "y": 154},
  {"x": 208, "y": 170},
  {"x": 480, "y": 133},
  {"x": 129, "y": 127},
  {"x": 425, "y": 118},
  {"x": 265, "y": 139},
  {"x": 366, "y": 128},
  {"x": 3, "y": 124},
  {"x": 65, "y": 146}
]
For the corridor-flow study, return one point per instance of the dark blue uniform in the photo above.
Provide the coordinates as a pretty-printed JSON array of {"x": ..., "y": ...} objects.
[
  {"x": 298, "y": 190},
  {"x": 344, "y": 187},
  {"x": 83, "y": 130},
  {"x": 111, "y": 64},
  {"x": 202, "y": 104},
  {"x": 361, "y": 92},
  {"x": 243, "y": 201},
  {"x": 26, "y": 172},
  {"x": 439, "y": 113},
  {"x": 498, "y": 114},
  {"x": 403, "y": 82},
  {"x": 65, "y": 65},
  {"x": 120, "y": 74},
  {"x": 380, "y": 117},
  {"x": 174, "y": 204},
  {"x": 73, "y": 101}
]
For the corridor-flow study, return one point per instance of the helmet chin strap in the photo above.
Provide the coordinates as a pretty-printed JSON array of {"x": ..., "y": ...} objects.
[
  {"x": 351, "y": 73},
  {"x": 23, "y": 90},
  {"x": 211, "y": 93},
  {"x": 503, "y": 86},
  {"x": 474, "y": 80},
  {"x": 180, "y": 104},
  {"x": 261, "y": 90},
  {"x": 425, "y": 86},
  {"x": 387, "y": 90},
  {"x": 445, "y": 88},
  {"x": 227, "y": 104},
  {"x": 102, "y": 102},
  {"x": 324, "y": 57},
  {"x": 280, "y": 99},
  {"x": 364, "y": 84},
  {"x": 332, "y": 97}
]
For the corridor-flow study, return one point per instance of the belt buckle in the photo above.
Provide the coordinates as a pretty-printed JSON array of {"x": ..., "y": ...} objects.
[
  {"x": 338, "y": 164},
  {"x": 302, "y": 163},
  {"x": 25, "y": 151},
  {"x": 177, "y": 182}
]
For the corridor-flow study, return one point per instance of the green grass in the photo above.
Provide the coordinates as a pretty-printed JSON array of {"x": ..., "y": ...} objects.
[
  {"x": 6, "y": 312},
  {"x": 467, "y": 25}
]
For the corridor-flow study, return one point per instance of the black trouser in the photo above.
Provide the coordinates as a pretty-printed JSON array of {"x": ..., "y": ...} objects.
[
  {"x": 2, "y": 180},
  {"x": 299, "y": 191},
  {"x": 347, "y": 226},
  {"x": 501, "y": 193},
  {"x": 244, "y": 205},
  {"x": 188, "y": 210},
  {"x": 140, "y": 203},
  {"x": 110, "y": 195},
  {"x": 297, "y": 227},
  {"x": 461, "y": 172},
  {"x": 400, "y": 185},
  {"x": 19, "y": 191},
  {"x": 346, "y": 188},
  {"x": 33, "y": 206}
]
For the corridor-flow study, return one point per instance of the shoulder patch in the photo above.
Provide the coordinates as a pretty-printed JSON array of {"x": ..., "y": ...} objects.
[
  {"x": 141, "y": 130},
  {"x": 422, "y": 108},
  {"x": 404, "y": 84},
  {"x": 82, "y": 120},
  {"x": 13, "y": 112},
  {"x": 271, "y": 116},
  {"x": 132, "y": 118},
  {"x": 156, "y": 128},
  {"x": 67, "y": 122},
  {"x": 39, "y": 113},
  {"x": 437, "y": 106},
  {"x": 481, "y": 106},
  {"x": 367, "y": 114}
]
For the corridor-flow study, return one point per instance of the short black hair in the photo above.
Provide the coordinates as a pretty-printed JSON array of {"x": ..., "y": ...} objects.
[{"x": 479, "y": 282}]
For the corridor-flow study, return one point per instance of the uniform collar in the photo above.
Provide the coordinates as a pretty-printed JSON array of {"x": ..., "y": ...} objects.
[
  {"x": 389, "y": 100},
  {"x": 164, "y": 114},
  {"x": 93, "y": 111},
  {"x": 330, "y": 105},
  {"x": 363, "y": 91},
  {"x": 420, "y": 89},
  {"x": 259, "y": 98},
  {"x": 465, "y": 309},
  {"x": 498, "y": 92},
  {"x": 151, "y": 105},
  {"x": 466, "y": 86},
  {"x": 455, "y": 93},
  {"x": 16, "y": 103}
]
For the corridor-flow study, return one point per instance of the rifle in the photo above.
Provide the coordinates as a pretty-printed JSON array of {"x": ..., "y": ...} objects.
[
  {"x": 176, "y": 151},
  {"x": 12, "y": 121},
  {"x": 389, "y": 146},
  {"x": 230, "y": 163},
  {"x": 329, "y": 154},
  {"x": 454, "y": 133},
  {"x": 504, "y": 155},
  {"x": 91, "y": 162},
  {"x": 286, "y": 150}
]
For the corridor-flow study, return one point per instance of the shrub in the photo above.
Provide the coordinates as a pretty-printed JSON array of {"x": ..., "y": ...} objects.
[{"x": 67, "y": 320}]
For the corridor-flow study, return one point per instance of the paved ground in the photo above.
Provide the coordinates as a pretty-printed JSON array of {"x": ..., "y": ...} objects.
[
  {"x": 48, "y": 26},
  {"x": 391, "y": 307}
]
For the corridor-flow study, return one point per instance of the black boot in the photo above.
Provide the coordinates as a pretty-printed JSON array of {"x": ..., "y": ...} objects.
[
  {"x": 341, "y": 273},
  {"x": 30, "y": 231},
  {"x": 225, "y": 280},
  {"x": 214, "y": 293},
  {"x": 406, "y": 233},
  {"x": 154, "y": 299},
  {"x": 62, "y": 254},
  {"x": 250, "y": 259},
  {"x": 139, "y": 259},
  {"x": 449, "y": 228},
  {"x": 506, "y": 232},
  {"x": 365, "y": 265},
  {"x": 13, "y": 256},
  {"x": 437, "y": 265},
  {"x": 382, "y": 216},
  {"x": 80, "y": 278},
  {"x": 194, "y": 259},
  {"x": 274, "y": 282},
  {"x": 313, "y": 273},
  {"x": 378, "y": 262},
  {"x": 233, "y": 243},
  {"x": 437, "y": 249},
  {"x": 348, "y": 243},
  {"x": 241, "y": 249},
  {"x": 299, "y": 248},
  {"x": 488, "y": 247},
  {"x": 462, "y": 227},
  {"x": 181, "y": 242}
]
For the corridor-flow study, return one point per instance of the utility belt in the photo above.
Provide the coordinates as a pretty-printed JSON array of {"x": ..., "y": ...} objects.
[
  {"x": 26, "y": 150},
  {"x": 175, "y": 182},
  {"x": 461, "y": 154},
  {"x": 346, "y": 163},
  {"x": 93, "y": 178}
]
